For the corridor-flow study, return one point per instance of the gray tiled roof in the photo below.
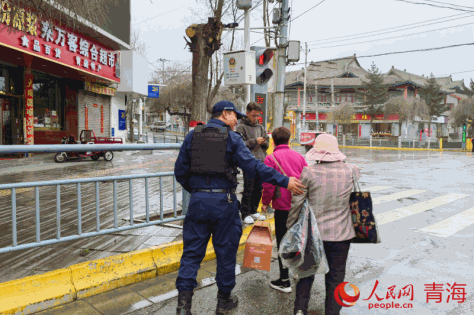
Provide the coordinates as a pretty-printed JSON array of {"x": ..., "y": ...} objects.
[{"x": 324, "y": 70}]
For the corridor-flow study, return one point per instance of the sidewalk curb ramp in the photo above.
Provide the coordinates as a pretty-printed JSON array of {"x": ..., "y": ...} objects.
[{"x": 52, "y": 289}]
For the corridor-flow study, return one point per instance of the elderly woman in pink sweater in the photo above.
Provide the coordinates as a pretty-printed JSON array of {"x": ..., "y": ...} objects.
[{"x": 291, "y": 163}]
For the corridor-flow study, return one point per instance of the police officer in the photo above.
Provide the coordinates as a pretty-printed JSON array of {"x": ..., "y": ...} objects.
[{"x": 207, "y": 168}]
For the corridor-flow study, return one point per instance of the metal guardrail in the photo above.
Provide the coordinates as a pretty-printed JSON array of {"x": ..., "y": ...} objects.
[
  {"x": 167, "y": 139},
  {"x": 391, "y": 142},
  {"x": 57, "y": 183},
  {"x": 159, "y": 138},
  {"x": 54, "y": 148}
]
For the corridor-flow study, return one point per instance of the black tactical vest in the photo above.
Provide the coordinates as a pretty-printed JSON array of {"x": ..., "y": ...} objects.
[{"x": 208, "y": 149}]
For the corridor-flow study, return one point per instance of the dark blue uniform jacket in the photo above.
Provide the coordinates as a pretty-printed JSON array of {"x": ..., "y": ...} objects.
[{"x": 236, "y": 152}]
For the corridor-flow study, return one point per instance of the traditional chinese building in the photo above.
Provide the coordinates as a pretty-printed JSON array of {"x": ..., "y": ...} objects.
[
  {"x": 55, "y": 81},
  {"x": 332, "y": 82}
]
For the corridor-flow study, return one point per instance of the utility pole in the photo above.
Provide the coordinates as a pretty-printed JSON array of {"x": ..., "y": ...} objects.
[
  {"x": 283, "y": 44},
  {"x": 304, "y": 100},
  {"x": 332, "y": 92},
  {"x": 317, "y": 105},
  {"x": 247, "y": 48},
  {"x": 163, "y": 74}
]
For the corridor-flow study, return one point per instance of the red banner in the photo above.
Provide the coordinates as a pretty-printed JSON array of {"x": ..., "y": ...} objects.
[
  {"x": 322, "y": 116},
  {"x": 376, "y": 117},
  {"x": 102, "y": 118},
  {"x": 29, "y": 114},
  {"x": 58, "y": 44},
  {"x": 86, "y": 118},
  {"x": 312, "y": 116}
]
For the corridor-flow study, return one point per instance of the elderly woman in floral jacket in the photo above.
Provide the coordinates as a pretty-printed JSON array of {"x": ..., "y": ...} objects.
[{"x": 328, "y": 185}]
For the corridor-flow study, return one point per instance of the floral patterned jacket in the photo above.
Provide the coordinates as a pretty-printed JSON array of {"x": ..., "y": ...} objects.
[{"x": 328, "y": 188}]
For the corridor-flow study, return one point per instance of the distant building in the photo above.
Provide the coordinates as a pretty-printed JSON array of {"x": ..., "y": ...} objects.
[{"x": 337, "y": 81}]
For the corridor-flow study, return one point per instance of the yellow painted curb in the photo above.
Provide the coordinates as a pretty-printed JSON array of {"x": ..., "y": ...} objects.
[
  {"x": 167, "y": 257},
  {"x": 400, "y": 149},
  {"x": 52, "y": 289},
  {"x": 102, "y": 275},
  {"x": 36, "y": 293}
]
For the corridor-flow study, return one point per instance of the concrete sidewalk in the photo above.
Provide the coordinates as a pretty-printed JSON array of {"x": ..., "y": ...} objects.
[{"x": 158, "y": 295}]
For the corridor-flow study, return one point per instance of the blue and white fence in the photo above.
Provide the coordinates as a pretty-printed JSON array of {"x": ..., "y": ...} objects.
[{"x": 13, "y": 188}]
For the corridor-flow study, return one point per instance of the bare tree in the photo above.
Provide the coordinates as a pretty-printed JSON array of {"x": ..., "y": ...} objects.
[
  {"x": 137, "y": 43},
  {"x": 464, "y": 113},
  {"x": 175, "y": 95},
  {"x": 268, "y": 33},
  {"x": 204, "y": 41},
  {"x": 171, "y": 72},
  {"x": 407, "y": 109},
  {"x": 341, "y": 115},
  {"x": 69, "y": 12}
]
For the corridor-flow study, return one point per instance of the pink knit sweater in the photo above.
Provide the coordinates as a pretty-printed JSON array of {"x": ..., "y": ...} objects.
[{"x": 292, "y": 163}]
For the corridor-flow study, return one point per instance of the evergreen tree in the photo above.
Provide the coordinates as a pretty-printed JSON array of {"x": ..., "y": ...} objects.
[
  {"x": 434, "y": 98},
  {"x": 469, "y": 91},
  {"x": 373, "y": 93}
]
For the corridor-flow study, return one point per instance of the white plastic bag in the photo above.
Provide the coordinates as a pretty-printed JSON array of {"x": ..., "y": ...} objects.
[{"x": 301, "y": 248}]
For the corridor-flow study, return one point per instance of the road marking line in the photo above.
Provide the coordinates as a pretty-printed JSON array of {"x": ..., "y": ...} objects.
[
  {"x": 395, "y": 196},
  {"x": 451, "y": 225},
  {"x": 404, "y": 212}
]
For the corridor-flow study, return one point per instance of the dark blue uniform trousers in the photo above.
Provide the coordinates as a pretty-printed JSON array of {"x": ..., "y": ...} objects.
[{"x": 210, "y": 214}]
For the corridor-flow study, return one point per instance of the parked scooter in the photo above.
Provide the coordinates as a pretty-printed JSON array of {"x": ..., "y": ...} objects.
[{"x": 61, "y": 157}]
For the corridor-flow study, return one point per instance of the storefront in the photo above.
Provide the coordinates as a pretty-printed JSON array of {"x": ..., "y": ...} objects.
[
  {"x": 358, "y": 126},
  {"x": 54, "y": 81}
]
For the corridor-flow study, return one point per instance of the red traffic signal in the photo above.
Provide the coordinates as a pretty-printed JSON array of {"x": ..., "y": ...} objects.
[{"x": 265, "y": 57}]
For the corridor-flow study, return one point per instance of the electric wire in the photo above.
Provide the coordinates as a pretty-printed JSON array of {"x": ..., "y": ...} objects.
[
  {"x": 380, "y": 39},
  {"x": 157, "y": 16},
  {"x": 416, "y": 50},
  {"x": 393, "y": 31},
  {"x": 240, "y": 18},
  {"x": 453, "y": 4},
  {"x": 436, "y": 6},
  {"x": 307, "y": 10},
  {"x": 442, "y": 75}
]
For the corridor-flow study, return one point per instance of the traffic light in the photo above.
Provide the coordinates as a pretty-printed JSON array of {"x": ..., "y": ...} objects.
[
  {"x": 464, "y": 126},
  {"x": 265, "y": 76},
  {"x": 262, "y": 59}
]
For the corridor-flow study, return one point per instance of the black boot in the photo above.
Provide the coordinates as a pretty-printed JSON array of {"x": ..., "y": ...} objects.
[
  {"x": 225, "y": 303},
  {"x": 184, "y": 303}
]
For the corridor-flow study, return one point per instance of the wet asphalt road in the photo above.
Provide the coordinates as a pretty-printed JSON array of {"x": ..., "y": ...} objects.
[{"x": 423, "y": 202}]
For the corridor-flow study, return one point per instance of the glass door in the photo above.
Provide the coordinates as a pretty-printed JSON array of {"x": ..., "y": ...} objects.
[{"x": 6, "y": 121}]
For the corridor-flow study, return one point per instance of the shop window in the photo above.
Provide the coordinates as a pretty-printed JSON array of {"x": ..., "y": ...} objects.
[
  {"x": 46, "y": 103},
  {"x": 3, "y": 80}
]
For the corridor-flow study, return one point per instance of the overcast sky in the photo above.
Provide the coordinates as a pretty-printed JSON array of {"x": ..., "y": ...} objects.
[{"x": 162, "y": 25}]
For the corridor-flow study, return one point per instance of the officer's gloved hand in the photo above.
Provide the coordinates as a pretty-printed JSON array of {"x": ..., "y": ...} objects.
[{"x": 295, "y": 186}]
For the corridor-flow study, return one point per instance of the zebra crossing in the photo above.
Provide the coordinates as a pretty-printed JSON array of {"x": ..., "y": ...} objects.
[
  {"x": 451, "y": 225},
  {"x": 444, "y": 228}
]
